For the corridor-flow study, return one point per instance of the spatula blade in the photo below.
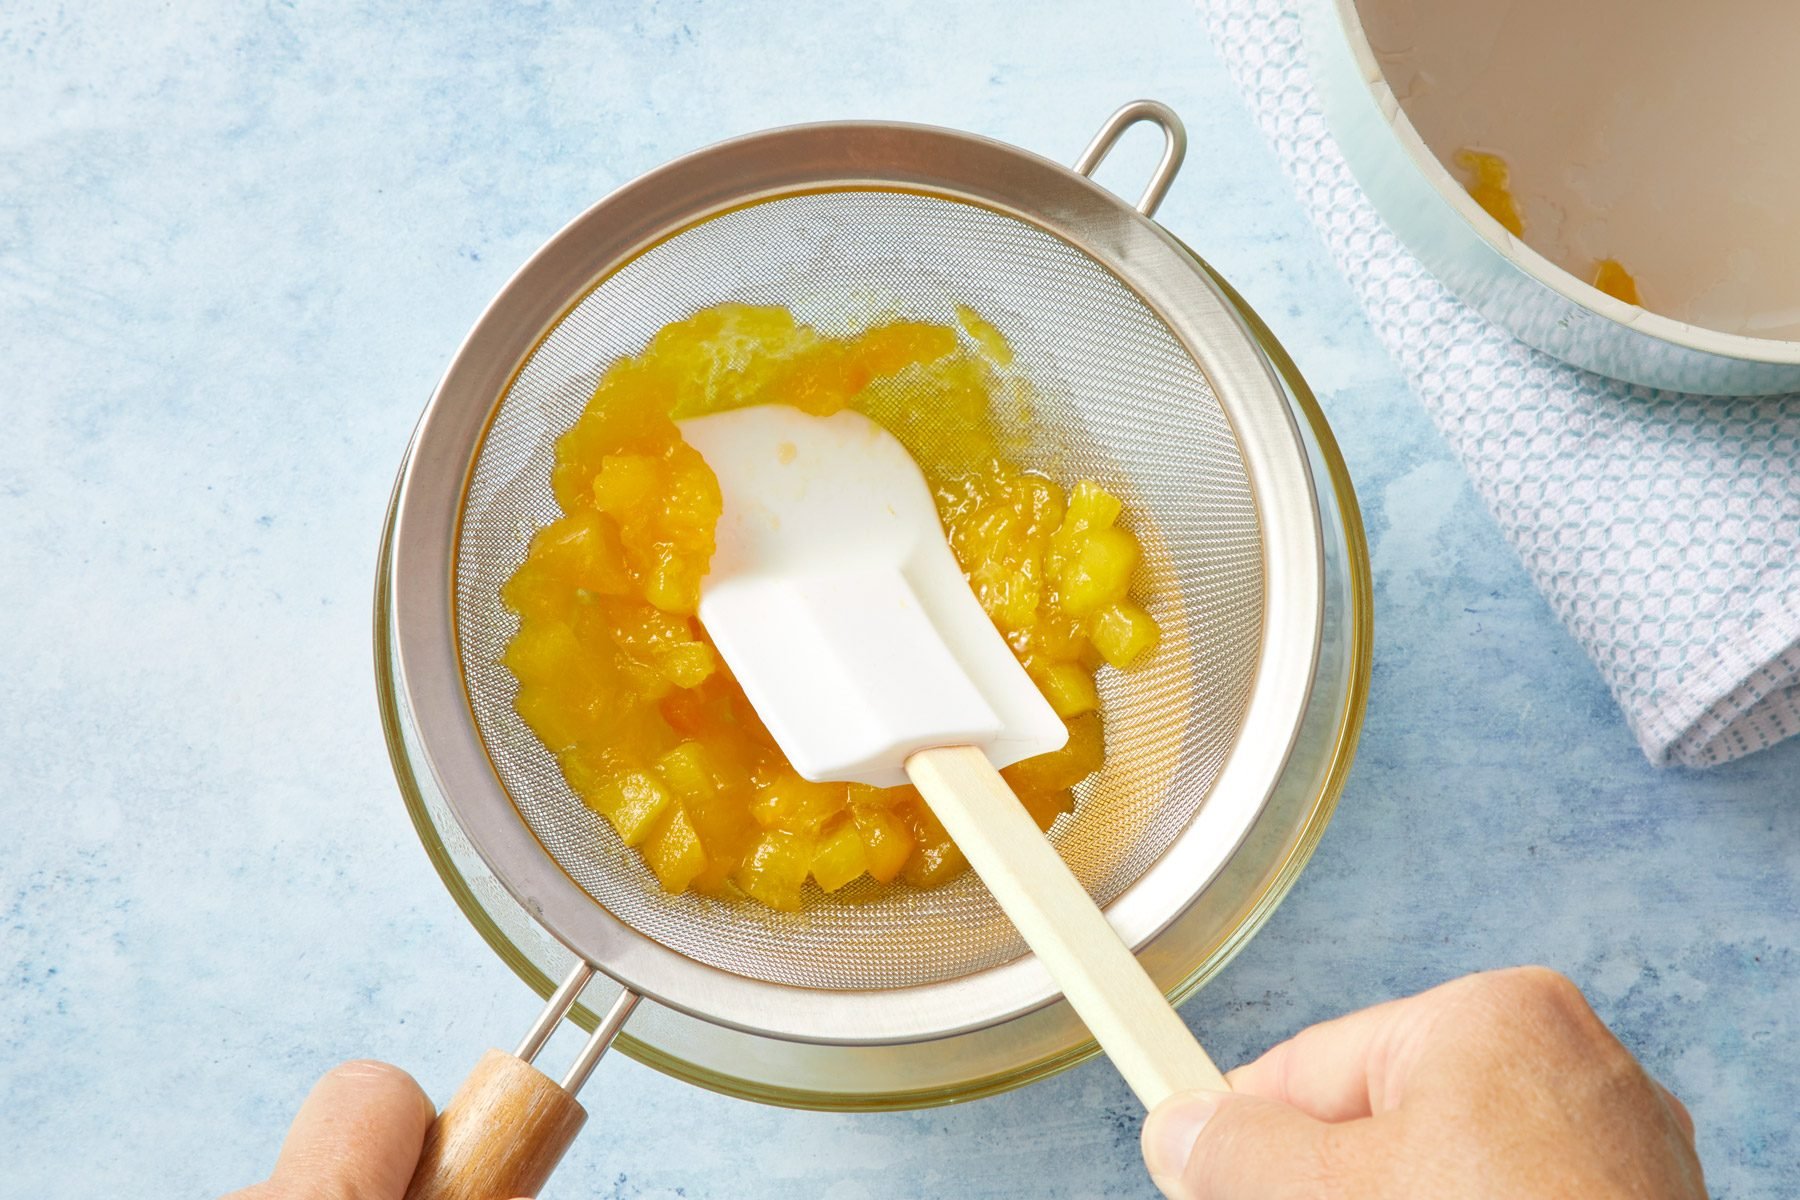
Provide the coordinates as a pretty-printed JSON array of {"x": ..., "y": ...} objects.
[{"x": 838, "y": 605}]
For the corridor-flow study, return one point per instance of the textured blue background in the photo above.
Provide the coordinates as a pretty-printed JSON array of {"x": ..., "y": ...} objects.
[{"x": 235, "y": 251}]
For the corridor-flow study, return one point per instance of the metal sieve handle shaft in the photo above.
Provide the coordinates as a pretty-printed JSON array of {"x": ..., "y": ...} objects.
[
  {"x": 1174, "y": 147},
  {"x": 508, "y": 1125}
]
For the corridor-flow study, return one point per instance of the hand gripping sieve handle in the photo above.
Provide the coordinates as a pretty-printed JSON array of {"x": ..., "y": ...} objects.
[
  {"x": 1174, "y": 148},
  {"x": 1102, "y": 980},
  {"x": 508, "y": 1125}
]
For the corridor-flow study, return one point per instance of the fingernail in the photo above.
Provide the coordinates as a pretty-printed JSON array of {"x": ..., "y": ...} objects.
[
  {"x": 1170, "y": 1134},
  {"x": 1169, "y": 1186}
]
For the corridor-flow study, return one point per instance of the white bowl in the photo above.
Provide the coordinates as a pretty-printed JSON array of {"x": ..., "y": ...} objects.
[{"x": 1660, "y": 135}]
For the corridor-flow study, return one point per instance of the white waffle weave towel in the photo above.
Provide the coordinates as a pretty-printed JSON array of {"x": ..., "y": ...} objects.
[{"x": 1664, "y": 529}]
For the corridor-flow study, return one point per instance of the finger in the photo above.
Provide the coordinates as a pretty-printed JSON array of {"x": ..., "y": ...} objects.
[
  {"x": 1679, "y": 1111},
  {"x": 1209, "y": 1146},
  {"x": 1342, "y": 1069},
  {"x": 1358, "y": 1065},
  {"x": 357, "y": 1136}
]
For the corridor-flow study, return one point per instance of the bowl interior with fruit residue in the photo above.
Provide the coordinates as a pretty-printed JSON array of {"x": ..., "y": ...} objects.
[{"x": 1631, "y": 159}]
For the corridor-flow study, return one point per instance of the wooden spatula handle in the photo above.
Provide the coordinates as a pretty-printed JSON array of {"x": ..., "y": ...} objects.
[
  {"x": 1103, "y": 981},
  {"x": 499, "y": 1137}
]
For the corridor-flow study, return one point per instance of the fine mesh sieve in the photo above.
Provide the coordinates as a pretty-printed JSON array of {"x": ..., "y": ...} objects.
[
  {"x": 1142, "y": 378},
  {"x": 1117, "y": 400}
]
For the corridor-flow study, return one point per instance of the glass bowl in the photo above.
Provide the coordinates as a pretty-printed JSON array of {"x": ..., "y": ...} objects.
[{"x": 1182, "y": 958}]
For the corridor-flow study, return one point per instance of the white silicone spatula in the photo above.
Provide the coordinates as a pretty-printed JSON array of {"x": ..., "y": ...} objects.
[{"x": 839, "y": 606}]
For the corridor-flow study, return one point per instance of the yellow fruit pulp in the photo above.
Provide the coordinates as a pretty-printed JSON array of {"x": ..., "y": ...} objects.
[
  {"x": 620, "y": 682},
  {"x": 1611, "y": 277},
  {"x": 1490, "y": 184}
]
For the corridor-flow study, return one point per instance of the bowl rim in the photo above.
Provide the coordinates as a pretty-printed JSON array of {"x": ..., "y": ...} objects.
[{"x": 1519, "y": 255}]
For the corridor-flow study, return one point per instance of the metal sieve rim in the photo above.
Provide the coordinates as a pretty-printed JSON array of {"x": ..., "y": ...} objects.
[{"x": 851, "y": 155}]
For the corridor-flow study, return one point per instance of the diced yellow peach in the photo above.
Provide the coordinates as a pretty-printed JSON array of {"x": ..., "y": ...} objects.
[
  {"x": 797, "y": 804},
  {"x": 626, "y": 482},
  {"x": 673, "y": 585},
  {"x": 1069, "y": 689},
  {"x": 996, "y": 524},
  {"x": 633, "y": 802},
  {"x": 1009, "y": 597},
  {"x": 538, "y": 592},
  {"x": 934, "y": 864},
  {"x": 861, "y": 795},
  {"x": 630, "y": 407},
  {"x": 1053, "y": 637},
  {"x": 583, "y": 552},
  {"x": 693, "y": 712},
  {"x": 586, "y": 770},
  {"x": 667, "y": 645},
  {"x": 935, "y": 860},
  {"x": 1099, "y": 571},
  {"x": 688, "y": 507},
  {"x": 1045, "y": 502},
  {"x": 557, "y": 723},
  {"x": 688, "y": 665},
  {"x": 601, "y": 567},
  {"x": 1092, "y": 507},
  {"x": 544, "y": 652},
  {"x": 726, "y": 831},
  {"x": 840, "y": 858},
  {"x": 674, "y": 852},
  {"x": 1122, "y": 632},
  {"x": 688, "y": 773},
  {"x": 775, "y": 869},
  {"x": 888, "y": 840}
]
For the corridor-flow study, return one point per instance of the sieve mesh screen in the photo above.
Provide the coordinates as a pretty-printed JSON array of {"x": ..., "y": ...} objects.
[{"x": 1116, "y": 399}]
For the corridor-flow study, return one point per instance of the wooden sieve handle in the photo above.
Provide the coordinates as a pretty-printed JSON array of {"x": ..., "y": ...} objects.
[
  {"x": 1103, "y": 981},
  {"x": 499, "y": 1137}
]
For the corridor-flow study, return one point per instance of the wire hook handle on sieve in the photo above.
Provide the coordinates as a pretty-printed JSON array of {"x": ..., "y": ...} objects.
[
  {"x": 1174, "y": 148},
  {"x": 508, "y": 1125}
]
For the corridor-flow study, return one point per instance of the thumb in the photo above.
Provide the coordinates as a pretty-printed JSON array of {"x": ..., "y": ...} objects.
[
  {"x": 1221, "y": 1146},
  {"x": 356, "y": 1136}
]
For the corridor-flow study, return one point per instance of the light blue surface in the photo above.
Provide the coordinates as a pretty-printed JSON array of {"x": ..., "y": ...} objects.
[{"x": 235, "y": 252}]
